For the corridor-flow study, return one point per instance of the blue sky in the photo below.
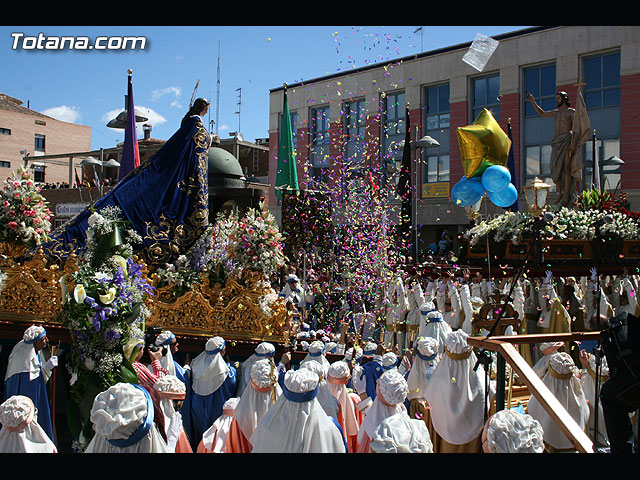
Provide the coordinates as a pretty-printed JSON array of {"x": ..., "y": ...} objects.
[{"x": 88, "y": 86}]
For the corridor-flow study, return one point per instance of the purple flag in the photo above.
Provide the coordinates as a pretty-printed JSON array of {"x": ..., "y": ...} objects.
[{"x": 130, "y": 152}]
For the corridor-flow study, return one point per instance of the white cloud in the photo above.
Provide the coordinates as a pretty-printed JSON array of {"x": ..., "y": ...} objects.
[
  {"x": 161, "y": 92},
  {"x": 64, "y": 113}
]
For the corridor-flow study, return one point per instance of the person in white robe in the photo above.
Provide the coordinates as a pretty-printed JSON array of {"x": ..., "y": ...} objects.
[
  {"x": 448, "y": 302},
  {"x": 214, "y": 381},
  {"x": 20, "y": 431},
  {"x": 350, "y": 417},
  {"x": 296, "y": 423},
  {"x": 546, "y": 349},
  {"x": 401, "y": 434},
  {"x": 591, "y": 299},
  {"x": 432, "y": 325},
  {"x": 316, "y": 352},
  {"x": 264, "y": 350},
  {"x": 391, "y": 393},
  {"x": 398, "y": 306},
  {"x": 123, "y": 420},
  {"x": 588, "y": 380},
  {"x": 171, "y": 393},
  {"x": 214, "y": 439},
  {"x": 478, "y": 287},
  {"x": 562, "y": 382},
  {"x": 425, "y": 360},
  {"x": 510, "y": 431},
  {"x": 457, "y": 398},
  {"x": 626, "y": 297},
  {"x": 329, "y": 403},
  {"x": 257, "y": 398},
  {"x": 293, "y": 292},
  {"x": 28, "y": 372},
  {"x": 415, "y": 299},
  {"x": 169, "y": 343}
]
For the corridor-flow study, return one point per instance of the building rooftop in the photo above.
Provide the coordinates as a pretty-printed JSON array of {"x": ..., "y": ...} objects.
[{"x": 14, "y": 105}]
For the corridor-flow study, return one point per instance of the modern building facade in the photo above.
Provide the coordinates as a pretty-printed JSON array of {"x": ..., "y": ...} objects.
[
  {"x": 26, "y": 135},
  {"x": 355, "y": 121}
]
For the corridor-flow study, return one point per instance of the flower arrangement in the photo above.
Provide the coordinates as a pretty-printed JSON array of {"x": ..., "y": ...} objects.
[
  {"x": 208, "y": 255},
  {"x": 256, "y": 242},
  {"x": 24, "y": 215},
  {"x": 575, "y": 223},
  {"x": 104, "y": 311}
]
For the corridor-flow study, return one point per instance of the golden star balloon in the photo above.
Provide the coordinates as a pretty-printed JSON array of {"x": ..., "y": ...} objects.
[{"x": 483, "y": 144}]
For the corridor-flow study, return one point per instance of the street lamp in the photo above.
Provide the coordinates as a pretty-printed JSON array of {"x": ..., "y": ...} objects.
[
  {"x": 611, "y": 161},
  {"x": 93, "y": 161},
  {"x": 424, "y": 142},
  {"x": 536, "y": 194}
]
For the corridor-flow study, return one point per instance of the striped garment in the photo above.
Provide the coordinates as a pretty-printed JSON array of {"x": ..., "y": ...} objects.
[{"x": 146, "y": 377}]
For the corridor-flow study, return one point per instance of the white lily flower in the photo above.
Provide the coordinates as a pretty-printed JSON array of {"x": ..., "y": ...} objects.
[{"x": 79, "y": 293}]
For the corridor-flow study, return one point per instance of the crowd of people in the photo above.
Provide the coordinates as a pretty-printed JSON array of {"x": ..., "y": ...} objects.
[
  {"x": 389, "y": 372},
  {"x": 107, "y": 183}
]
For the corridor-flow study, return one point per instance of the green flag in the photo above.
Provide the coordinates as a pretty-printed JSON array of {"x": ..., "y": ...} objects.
[{"x": 287, "y": 172}]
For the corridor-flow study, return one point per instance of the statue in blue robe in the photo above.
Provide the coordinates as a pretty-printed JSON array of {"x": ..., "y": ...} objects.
[{"x": 165, "y": 199}]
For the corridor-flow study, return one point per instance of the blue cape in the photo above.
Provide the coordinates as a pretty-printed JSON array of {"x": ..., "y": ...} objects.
[{"x": 166, "y": 200}]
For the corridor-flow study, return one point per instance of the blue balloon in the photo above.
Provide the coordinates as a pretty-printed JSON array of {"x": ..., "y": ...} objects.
[
  {"x": 496, "y": 178},
  {"x": 467, "y": 191},
  {"x": 504, "y": 198}
]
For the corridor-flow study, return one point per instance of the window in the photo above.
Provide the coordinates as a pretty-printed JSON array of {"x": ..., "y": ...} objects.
[
  {"x": 5, "y": 131},
  {"x": 320, "y": 143},
  {"x": 601, "y": 74},
  {"x": 38, "y": 173},
  {"x": 541, "y": 83},
  {"x": 355, "y": 118},
  {"x": 435, "y": 161},
  {"x": 538, "y": 132},
  {"x": 4, "y": 164},
  {"x": 485, "y": 94},
  {"x": 39, "y": 143},
  {"x": 602, "y": 78},
  {"x": 354, "y": 171},
  {"x": 611, "y": 175},
  {"x": 393, "y": 133}
]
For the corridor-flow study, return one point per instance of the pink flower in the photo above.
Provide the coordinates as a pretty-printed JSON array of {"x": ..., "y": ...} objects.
[
  {"x": 13, "y": 225},
  {"x": 16, "y": 195},
  {"x": 5, "y": 204}
]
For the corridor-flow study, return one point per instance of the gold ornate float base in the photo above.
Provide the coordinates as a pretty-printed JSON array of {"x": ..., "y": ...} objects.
[{"x": 32, "y": 293}]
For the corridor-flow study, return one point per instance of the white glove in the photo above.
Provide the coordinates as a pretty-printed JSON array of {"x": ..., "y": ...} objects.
[
  {"x": 51, "y": 363},
  {"x": 549, "y": 274},
  {"x": 594, "y": 274}
]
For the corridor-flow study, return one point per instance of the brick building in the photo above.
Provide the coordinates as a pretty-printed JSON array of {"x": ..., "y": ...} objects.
[
  {"x": 356, "y": 119},
  {"x": 27, "y": 133}
]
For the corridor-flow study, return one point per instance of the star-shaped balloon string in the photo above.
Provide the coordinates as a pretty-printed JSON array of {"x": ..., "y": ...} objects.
[{"x": 482, "y": 144}]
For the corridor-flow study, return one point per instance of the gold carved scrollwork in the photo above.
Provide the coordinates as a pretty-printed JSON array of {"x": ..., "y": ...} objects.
[
  {"x": 231, "y": 310},
  {"x": 32, "y": 290}
]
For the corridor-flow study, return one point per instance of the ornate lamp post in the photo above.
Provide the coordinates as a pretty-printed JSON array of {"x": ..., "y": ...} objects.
[{"x": 536, "y": 194}]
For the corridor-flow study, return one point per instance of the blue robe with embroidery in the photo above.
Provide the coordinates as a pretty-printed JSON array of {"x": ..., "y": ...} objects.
[
  {"x": 165, "y": 199},
  {"x": 207, "y": 409}
]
